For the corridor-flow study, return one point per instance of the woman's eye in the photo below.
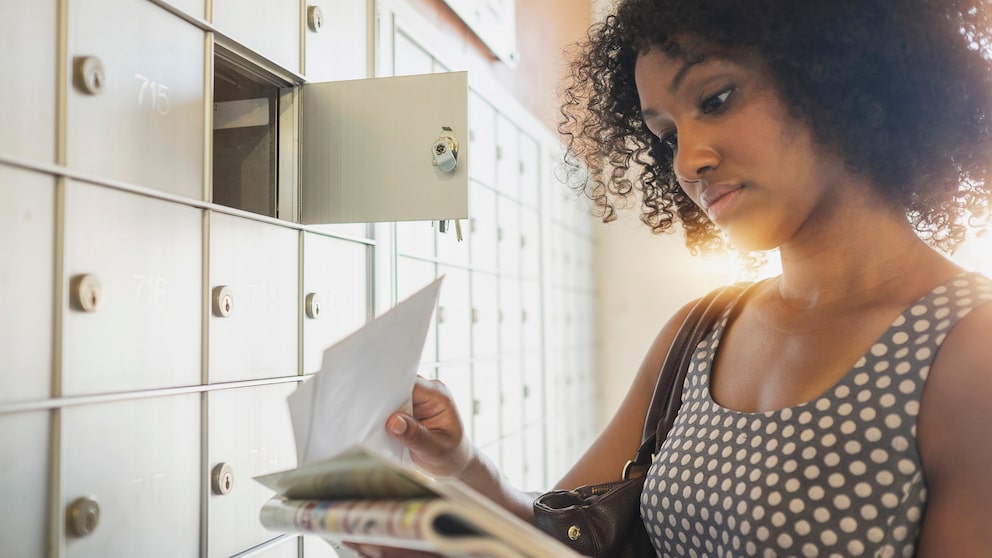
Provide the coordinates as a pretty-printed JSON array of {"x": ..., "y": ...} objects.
[
  {"x": 713, "y": 103},
  {"x": 671, "y": 141}
]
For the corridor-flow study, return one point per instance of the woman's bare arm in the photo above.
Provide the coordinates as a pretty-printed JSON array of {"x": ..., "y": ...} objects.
[{"x": 955, "y": 442}]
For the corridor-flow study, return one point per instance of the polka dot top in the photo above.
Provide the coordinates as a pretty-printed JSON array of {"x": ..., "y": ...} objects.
[{"x": 836, "y": 476}]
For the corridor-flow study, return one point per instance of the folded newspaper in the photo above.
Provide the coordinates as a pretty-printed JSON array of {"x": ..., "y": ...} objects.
[
  {"x": 354, "y": 485},
  {"x": 365, "y": 498}
]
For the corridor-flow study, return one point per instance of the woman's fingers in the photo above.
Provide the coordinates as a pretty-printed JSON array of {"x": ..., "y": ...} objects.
[{"x": 433, "y": 432}]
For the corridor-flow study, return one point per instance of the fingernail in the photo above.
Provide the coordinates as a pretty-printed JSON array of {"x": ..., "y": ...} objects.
[
  {"x": 370, "y": 551},
  {"x": 398, "y": 425}
]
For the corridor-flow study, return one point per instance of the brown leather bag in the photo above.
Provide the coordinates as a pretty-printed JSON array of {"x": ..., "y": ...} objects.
[{"x": 604, "y": 520}]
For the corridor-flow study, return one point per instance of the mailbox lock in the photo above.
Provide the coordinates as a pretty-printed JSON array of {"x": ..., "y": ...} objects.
[
  {"x": 315, "y": 18},
  {"x": 222, "y": 479},
  {"x": 445, "y": 150},
  {"x": 313, "y": 306},
  {"x": 86, "y": 292},
  {"x": 88, "y": 75},
  {"x": 223, "y": 301},
  {"x": 82, "y": 516}
]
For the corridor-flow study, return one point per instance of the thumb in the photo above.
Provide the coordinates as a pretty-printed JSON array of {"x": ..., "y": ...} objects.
[{"x": 412, "y": 434}]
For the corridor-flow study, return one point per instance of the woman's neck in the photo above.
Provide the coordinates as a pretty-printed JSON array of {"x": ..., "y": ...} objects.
[{"x": 871, "y": 254}]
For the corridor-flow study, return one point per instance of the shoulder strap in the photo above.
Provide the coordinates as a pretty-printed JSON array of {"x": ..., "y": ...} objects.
[{"x": 668, "y": 393}]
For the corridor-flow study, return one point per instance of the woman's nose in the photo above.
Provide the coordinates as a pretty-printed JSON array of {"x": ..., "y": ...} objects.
[{"x": 695, "y": 157}]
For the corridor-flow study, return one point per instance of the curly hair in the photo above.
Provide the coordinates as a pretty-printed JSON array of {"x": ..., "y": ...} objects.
[{"x": 901, "y": 89}]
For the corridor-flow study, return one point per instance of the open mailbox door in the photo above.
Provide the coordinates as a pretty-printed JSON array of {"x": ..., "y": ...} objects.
[{"x": 385, "y": 149}]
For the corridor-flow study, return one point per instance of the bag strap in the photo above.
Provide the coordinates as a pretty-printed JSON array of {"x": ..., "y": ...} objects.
[{"x": 667, "y": 397}]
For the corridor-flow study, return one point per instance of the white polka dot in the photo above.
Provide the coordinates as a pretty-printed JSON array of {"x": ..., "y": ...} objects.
[
  {"x": 900, "y": 337},
  {"x": 872, "y": 434},
  {"x": 889, "y": 500},
  {"x": 879, "y": 349},
  {"x": 907, "y": 467},
  {"x": 923, "y": 354},
  {"x": 784, "y": 541},
  {"x": 884, "y": 478},
  {"x": 842, "y": 502},
  {"x": 816, "y": 493},
  {"x": 828, "y": 537},
  {"x": 869, "y": 512},
  {"x": 832, "y": 459},
  {"x": 921, "y": 325},
  {"x": 855, "y": 548}
]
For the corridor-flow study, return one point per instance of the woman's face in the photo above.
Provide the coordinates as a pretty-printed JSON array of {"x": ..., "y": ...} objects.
[{"x": 738, "y": 153}]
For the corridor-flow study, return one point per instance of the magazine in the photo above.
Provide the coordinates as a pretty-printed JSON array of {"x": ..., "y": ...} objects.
[{"x": 365, "y": 498}]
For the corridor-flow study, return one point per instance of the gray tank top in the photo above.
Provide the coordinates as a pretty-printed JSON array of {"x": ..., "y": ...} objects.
[{"x": 837, "y": 476}]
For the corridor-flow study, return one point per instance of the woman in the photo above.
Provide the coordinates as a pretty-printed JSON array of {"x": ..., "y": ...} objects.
[{"x": 819, "y": 418}]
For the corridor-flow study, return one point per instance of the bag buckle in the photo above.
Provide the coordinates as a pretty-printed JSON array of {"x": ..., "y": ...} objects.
[{"x": 630, "y": 463}]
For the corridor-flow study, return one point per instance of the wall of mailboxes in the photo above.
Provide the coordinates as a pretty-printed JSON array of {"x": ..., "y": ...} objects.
[{"x": 124, "y": 386}]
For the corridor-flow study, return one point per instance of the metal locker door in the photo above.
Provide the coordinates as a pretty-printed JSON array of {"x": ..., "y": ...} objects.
[
  {"x": 135, "y": 104},
  {"x": 531, "y": 315},
  {"x": 385, "y": 149},
  {"x": 508, "y": 236},
  {"x": 482, "y": 119},
  {"x": 27, "y": 214},
  {"x": 511, "y": 387},
  {"x": 27, "y": 99},
  {"x": 24, "y": 455},
  {"x": 454, "y": 315},
  {"x": 486, "y": 406},
  {"x": 254, "y": 267},
  {"x": 411, "y": 276},
  {"x": 530, "y": 244},
  {"x": 194, "y": 8},
  {"x": 511, "y": 328},
  {"x": 482, "y": 228},
  {"x": 336, "y": 48},
  {"x": 485, "y": 315},
  {"x": 335, "y": 297},
  {"x": 507, "y": 158},
  {"x": 133, "y": 286},
  {"x": 268, "y": 27},
  {"x": 138, "y": 463},
  {"x": 250, "y": 434},
  {"x": 530, "y": 176}
]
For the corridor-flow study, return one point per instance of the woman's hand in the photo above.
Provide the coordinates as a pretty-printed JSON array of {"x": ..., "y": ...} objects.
[{"x": 434, "y": 433}]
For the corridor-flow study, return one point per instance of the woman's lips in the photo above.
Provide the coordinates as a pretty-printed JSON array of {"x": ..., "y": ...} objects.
[{"x": 717, "y": 200}]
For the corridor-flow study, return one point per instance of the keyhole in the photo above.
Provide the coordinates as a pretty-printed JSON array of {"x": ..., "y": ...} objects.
[
  {"x": 227, "y": 304},
  {"x": 91, "y": 519},
  {"x": 94, "y": 299},
  {"x": 97, "y": 82},
  {"x": 227, "y": 482},
  {"x": 316, "y": 309}
]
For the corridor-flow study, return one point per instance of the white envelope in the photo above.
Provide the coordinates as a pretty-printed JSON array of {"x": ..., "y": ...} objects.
[{"x": 364, "y": 379}]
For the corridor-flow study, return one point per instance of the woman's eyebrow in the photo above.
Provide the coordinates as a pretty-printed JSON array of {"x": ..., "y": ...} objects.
[{"x": 696, "y": 60}]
